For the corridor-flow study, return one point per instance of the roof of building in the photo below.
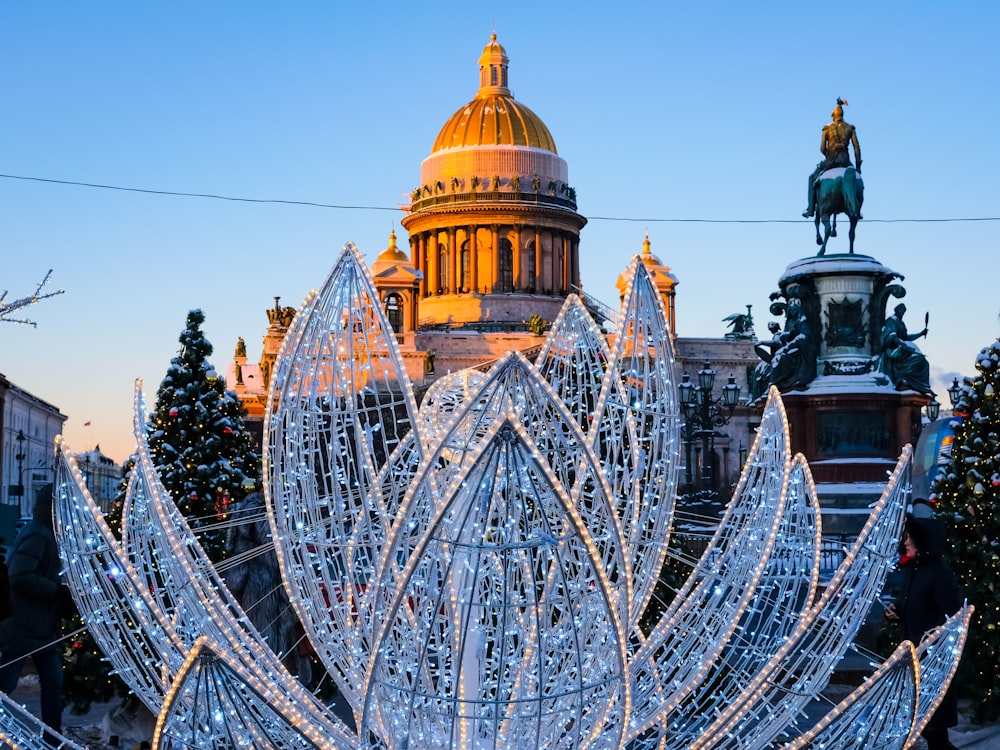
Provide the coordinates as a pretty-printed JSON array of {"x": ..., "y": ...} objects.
[
  {"x": 393, "y": 254},
  {"x": 494, "y": 118}
]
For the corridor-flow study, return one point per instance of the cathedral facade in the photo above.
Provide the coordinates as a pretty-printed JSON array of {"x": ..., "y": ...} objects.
[{"x": 493, "y": 252}]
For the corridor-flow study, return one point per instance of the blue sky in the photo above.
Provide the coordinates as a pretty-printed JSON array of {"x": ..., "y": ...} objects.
[{"x": 663, "y": 111}]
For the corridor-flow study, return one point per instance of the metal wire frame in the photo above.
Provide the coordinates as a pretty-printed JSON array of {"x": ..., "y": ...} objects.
[
  {"x": 23, "y": 730},
  {"x": 503, "y": 629},
  {"x": 116, "y": 606},
  {"x": 784, "y": 590},
  {"x": 775, "y": 699},
  {"x": 215, "y": 701},
  {"x": 879, "y": 714},
  {"x": 636, "y": 430},
  {"x": 939, "y": 653},
  {"x": 700, "y": 620},
  {"x": 892, "y": 707},
  {"x": 488, "y": 567},
  {"x": 512, "y": 385},
  {"x": 338, "y": 412},
  {"x": 158, "y": 538}
]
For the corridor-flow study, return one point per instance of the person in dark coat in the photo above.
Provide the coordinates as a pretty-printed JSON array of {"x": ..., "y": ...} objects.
[
  {"x": 37, "y": 596},
  {"x": 929, "y": 594}
]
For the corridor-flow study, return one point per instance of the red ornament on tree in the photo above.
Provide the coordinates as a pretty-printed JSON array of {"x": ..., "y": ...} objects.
[
  {"x": 227, "y": 431},
  {"x": 173, "y": 412},
  {"x": 194, "y": 495}
]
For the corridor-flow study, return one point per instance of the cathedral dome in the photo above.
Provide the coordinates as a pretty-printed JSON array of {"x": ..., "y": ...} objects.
[
  {"x": 493, "y": 142},
  {"x": 494, "y": 118}
]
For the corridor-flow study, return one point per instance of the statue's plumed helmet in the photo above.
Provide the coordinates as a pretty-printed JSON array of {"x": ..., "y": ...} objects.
[{"x": 838, "y": 111}]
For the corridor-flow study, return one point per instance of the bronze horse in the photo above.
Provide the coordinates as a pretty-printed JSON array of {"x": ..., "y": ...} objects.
[{"x": 838, "y": 195}]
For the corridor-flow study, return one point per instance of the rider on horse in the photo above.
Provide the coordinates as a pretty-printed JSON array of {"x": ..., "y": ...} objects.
[{"x": 837, "y": 136}]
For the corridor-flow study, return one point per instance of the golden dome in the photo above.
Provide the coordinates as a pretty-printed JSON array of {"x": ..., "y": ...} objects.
[
  {"x": 647, "y": 256},
  {"x": 392, "y": 253},
  {"x": 494, "y": 118},
  {"x": 660, "y": 273}
]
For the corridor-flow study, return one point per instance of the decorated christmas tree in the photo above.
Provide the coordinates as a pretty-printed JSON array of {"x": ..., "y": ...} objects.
[
  {"x": 199, "y": 441},
  {"x": 969, "y": 503}
]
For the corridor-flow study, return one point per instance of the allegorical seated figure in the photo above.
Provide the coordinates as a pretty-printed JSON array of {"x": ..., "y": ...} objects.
[
  {"x": 837, "y": 137},
  {"x": 901, "y": 361},
  {"x": 760, "y": 378},
  {"x": 793, "y": 365}
]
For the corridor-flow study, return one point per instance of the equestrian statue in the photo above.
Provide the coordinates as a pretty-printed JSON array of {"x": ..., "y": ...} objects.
[{"x": 835, "y": 186}]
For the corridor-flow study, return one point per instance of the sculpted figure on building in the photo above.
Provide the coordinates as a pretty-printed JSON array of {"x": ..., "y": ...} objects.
[{"x": 899, "y": 358}]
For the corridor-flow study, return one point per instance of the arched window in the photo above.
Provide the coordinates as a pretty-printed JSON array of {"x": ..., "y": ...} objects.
[
  {"x": 394, "y": 311},
  {"x": 442, "y": 259},
  {"x": 506, "y": 264},
  {"x": 465, "y": 272}
]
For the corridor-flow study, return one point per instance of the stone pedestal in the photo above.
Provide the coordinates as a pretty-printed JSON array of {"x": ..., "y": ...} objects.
[{"x": 850, "y": 422}]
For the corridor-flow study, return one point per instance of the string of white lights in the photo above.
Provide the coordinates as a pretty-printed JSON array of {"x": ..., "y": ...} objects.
[
  {"x": 784, "y": 590},
  {"x": 774, "y": 700},
  {"x": 507, "y": 582},
  {"x": 340, "y": 406},
  {"x": 200, "y": 605},
  {"x": 891, "y": 708},
  {"x": 114, "y": 602},
  {"x": 636, "y": 426},
  {"x": 22, "y": 730},
  {"x": 694, "y": 630},
  {"x": 216, "y": 701},
  {"x": 472, "y": 573},
  {"x": 939, "y": 653},
  {"x": 879, "y": 714}
]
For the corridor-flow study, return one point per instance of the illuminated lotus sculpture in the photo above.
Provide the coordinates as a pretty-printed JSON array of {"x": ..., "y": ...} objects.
[{"x": 472, "y": 573}]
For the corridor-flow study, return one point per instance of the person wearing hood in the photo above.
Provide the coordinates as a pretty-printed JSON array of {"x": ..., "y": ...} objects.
[
  {"x": 37, "y": 598},
  {"x": 929, "y": 594}
]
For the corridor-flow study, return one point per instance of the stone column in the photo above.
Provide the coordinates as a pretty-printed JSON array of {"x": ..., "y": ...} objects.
[
  {"x": 555, "y": 266},
  {"x": 516, "y": 260},
  {"x": 576, "y": 262},
  {"x": 453, "y": 280},
  {"x": 566, "y": 263},
  {"x": 419, "y": 263},
  {"x": 496, "y": 258},
  {"x": 473, "y": 261},
  {"x": 538, "y": 259},
  {"x": 430, "y": 254}
]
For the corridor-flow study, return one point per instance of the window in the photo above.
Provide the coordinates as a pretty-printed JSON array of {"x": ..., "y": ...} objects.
[
  {"x": 506, "y": 263},
  {"x": 465, "y": 272},
  {"x": 394, "y": 311},
  {"x": 443, "y": 282}
]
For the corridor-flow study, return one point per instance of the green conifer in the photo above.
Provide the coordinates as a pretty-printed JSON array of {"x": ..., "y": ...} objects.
[{"x": 968, "y": 496}]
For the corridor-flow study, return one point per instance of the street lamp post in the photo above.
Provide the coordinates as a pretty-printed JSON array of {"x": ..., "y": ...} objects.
[
  {"x": 955, "y": 393},
  {"x": 703, "y": 412},
  {"x": 933, "y": 410}
]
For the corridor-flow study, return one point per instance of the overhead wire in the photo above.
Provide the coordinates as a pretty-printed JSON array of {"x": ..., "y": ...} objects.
[{"x": 350, "y": 207}]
